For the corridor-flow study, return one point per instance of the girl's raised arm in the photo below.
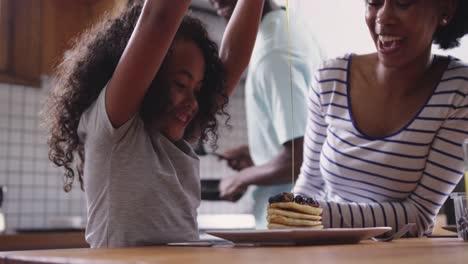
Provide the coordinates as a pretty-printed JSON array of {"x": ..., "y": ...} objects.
[
  {"x": 239, "y": 39},
  {"x": 143, "y": 56}
]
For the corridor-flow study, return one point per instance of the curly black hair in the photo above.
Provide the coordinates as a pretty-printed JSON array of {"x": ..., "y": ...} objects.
[
  {"x": 449, "y": 36},
  {"x": 89, "y": 65}
]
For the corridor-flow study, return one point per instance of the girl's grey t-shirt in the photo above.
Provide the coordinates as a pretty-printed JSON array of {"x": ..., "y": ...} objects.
[{"x": 140, "y": 189}]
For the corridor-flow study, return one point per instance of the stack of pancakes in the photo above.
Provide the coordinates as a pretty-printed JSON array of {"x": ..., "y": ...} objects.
[{"x": 286, "y": 211}]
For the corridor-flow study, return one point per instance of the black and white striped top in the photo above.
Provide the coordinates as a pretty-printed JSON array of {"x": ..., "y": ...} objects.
[{"x": 401, "y": 178}]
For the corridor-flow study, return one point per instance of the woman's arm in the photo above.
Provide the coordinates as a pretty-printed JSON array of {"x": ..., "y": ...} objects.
[
  {"x": 310, "y": 180},
  {"x": 441, "y": 174},
  {"x": 239, "y": 39},
  {"x": 144, "y": 54}
]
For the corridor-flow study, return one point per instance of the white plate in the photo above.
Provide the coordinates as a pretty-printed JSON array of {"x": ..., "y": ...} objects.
[{"x": 300, "y": 236}]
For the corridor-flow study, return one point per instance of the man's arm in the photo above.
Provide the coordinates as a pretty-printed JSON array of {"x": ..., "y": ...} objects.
[
  {"x": 278, "y": 170},
  {"x": 238, "y": 158}
]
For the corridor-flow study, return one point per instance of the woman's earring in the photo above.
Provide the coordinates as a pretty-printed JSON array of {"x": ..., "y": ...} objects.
[{"x": 444, "y": 21}]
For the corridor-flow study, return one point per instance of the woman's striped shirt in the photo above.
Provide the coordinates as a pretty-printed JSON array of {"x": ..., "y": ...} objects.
[{"x": 401, "y": 178}]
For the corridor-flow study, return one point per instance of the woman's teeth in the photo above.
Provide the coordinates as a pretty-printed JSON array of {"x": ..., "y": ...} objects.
[
  {"x": 389, "y": 43},
  {"x": 385, "y": 39}
]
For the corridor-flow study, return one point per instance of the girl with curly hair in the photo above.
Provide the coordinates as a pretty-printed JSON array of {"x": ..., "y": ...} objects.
[
  {"x": 128, "y": 97},
  {"x": 383, "y": 144}
]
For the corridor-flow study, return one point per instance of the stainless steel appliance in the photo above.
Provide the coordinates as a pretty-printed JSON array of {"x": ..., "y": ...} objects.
[{"x": 2, "y": 215}]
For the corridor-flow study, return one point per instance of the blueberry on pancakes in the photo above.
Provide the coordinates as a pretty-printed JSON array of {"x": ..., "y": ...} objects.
[{"x": 288, "y": 211}]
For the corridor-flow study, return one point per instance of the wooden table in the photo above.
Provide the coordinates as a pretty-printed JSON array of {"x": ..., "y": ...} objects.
[{"x": 419, "y": 250}]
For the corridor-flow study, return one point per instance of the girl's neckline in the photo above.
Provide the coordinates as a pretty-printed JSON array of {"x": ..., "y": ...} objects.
[
  {"x": 182, "y": 145},
  {"x": 407, "y": 124}
]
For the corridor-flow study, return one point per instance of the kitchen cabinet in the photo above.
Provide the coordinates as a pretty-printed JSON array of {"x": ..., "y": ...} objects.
[
  {"x": 20, "y": 41},
  {"x": 3, "y": 35},
  {"x": 34, "y": 34},
  {"x": 42, "y": 240}
]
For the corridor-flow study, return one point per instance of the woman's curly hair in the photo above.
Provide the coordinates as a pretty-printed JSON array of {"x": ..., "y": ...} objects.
[
  {"x": 449, "y": 36},
  {"x": 88, "y": 66}
]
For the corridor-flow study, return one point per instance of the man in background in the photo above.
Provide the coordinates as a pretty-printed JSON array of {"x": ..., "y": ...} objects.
[{"x": 268, "y": 159}]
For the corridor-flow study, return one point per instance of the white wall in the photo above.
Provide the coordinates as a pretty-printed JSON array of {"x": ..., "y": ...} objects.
[{"x": 340, "y": 27}]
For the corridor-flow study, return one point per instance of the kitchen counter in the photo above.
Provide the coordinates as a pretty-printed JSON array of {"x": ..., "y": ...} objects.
[
  {"x": 42, "y": 240},
  {"x": 417, "y": 250}
]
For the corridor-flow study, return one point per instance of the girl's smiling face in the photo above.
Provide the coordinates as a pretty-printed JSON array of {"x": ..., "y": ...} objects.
[
  {"x": 403, "y": 30},
  {"x": 185, "y": 72}
]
